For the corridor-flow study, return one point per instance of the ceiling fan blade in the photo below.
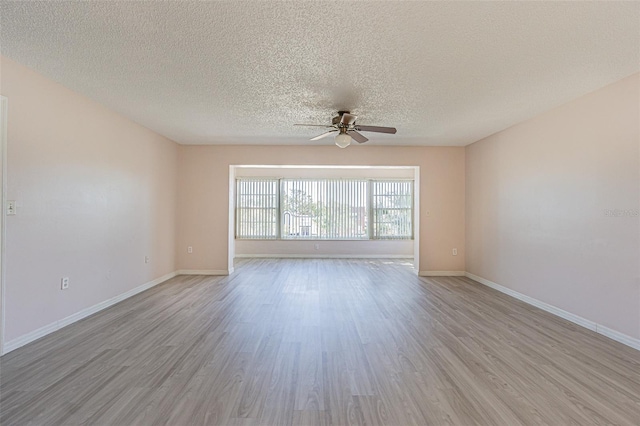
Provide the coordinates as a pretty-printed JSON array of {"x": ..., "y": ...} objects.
[
  {"x": 324, "y": 135},
  {"x": 313, "y": 125},
  {"x": 358, "y": 137},
  {"x": 348, "y": 119},
  {"x": 378, "y": 129}
]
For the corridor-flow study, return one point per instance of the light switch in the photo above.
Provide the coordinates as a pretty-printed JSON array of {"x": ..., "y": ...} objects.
[{"x": 11, "y": 208}]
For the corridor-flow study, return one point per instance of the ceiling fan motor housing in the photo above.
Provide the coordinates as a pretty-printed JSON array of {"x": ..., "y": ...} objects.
[{"x": 336, "y": 120}]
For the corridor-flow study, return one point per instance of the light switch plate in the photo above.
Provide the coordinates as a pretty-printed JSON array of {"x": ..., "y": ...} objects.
[{"x": 11, "y": 208}]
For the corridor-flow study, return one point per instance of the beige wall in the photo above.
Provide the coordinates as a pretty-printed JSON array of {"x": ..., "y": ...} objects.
[
  {"x": 536, "y": 199},
  {"x": 96, "y": 193},
  {"x": 204, "y": 195}
]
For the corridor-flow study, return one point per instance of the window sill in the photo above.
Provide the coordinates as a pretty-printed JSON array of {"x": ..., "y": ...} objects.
[{"x": 323, "y": 239}]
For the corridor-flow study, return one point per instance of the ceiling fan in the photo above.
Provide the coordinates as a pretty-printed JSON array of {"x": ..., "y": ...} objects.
[{"x": 345, "y": 128}]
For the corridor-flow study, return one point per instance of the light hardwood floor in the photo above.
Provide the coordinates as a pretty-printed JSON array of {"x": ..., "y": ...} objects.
[{"x": 295, "y": 341}]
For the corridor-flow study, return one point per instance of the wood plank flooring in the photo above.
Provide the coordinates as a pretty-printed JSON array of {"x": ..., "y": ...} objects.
[{"x": 319, "y": 342}]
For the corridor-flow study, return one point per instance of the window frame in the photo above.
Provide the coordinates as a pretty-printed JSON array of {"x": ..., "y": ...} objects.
[
  {"x": 369, "y": 209},
  {"x": 326, "y": 181},
  {"x": 238, "y": 209},
  {"x": 410, "y": 209}
]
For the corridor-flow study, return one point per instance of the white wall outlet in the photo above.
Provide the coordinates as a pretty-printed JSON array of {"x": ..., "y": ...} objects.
[
  {"x": 189, "y": 249},
  {"x": 146, "y": 259},
  {"x": 11, "y": 207},
  {"x": 316, "y": 246},
  {"x": 64, "y": 283},
  {"x": 455, "y": 252}
]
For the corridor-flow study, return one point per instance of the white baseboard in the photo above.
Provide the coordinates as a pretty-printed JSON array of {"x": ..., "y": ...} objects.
[
  {"x": 618, "y": 337},
  {"x": 204, "y": 272},
  {"x": 591, "y": 325},
  {"x": 50, "y": 328},
  {"x": 324, "y": 256},
  {"x": 57, "y": 325},
  {"x": 441, "y": 274}
]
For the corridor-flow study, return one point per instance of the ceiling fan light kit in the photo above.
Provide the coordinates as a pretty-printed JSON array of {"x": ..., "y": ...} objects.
[
  {"x": 344, "y": 124},
  {"x": 343, "y": 140}
]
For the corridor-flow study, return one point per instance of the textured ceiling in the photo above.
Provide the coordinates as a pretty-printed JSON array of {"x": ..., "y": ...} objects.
[{"x": 443, "y": 73}]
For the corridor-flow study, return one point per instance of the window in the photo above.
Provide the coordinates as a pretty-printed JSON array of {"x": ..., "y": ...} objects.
[
  {"x": 324, "y": 209},
  {"x": 330, "y": 209},
  {"x": 392, "y": 207},
  {"x": 257, "y": 208}
]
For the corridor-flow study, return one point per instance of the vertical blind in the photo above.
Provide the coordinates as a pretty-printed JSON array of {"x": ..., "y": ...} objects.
[
  {"x": 257, "y": 208},
  {"x": 324, "y": 209},
  {"x": 392, "y": 208}
]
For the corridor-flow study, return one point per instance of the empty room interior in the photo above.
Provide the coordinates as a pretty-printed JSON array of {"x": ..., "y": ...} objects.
[{"x": 320, "y": 213}]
